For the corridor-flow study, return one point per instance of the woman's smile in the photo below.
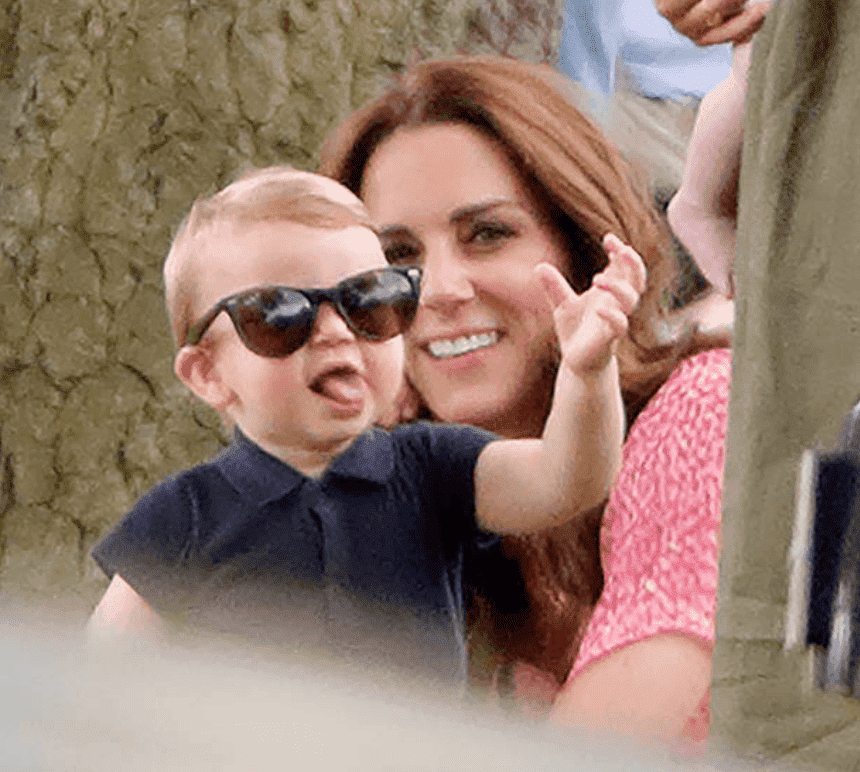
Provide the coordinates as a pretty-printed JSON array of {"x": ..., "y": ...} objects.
[{"x": 447, "y": 348}]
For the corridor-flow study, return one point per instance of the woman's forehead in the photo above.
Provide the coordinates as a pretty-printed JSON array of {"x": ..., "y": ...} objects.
[{"x": 436, "y": 171}]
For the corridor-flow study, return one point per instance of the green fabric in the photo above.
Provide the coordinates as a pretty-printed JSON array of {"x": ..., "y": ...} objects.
[{"x": 796, "y": 368}]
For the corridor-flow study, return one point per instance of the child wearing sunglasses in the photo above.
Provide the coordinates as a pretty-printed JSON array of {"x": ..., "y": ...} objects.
[{"x": 315, "y": 529}]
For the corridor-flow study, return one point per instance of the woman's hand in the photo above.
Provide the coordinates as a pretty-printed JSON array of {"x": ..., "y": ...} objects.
[
  {"x": 707, "y": 22},
  {"x": 588, "y": 325}
]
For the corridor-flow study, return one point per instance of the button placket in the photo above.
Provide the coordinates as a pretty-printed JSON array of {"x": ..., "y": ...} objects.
[
  {"x": 326, "y": 516},
  {"x": 309, "y": 614}
]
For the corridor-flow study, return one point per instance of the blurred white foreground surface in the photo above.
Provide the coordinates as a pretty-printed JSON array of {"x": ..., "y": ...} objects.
[{"x": 65, "y": 707}]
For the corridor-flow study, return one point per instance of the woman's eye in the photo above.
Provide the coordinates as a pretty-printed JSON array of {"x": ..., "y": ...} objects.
[
  {"x": 490, "y": 233},
  {"x": 400, "y": 253}
]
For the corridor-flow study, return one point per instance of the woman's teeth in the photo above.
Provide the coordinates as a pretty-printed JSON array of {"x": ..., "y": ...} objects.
[{"x": 442, "y": 349}]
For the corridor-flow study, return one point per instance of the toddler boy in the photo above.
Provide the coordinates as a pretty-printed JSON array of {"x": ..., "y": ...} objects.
[{"x": 314, "y": 524}]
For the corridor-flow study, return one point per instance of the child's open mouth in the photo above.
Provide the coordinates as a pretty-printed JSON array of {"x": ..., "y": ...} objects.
[{"x": 343, "y": 385}]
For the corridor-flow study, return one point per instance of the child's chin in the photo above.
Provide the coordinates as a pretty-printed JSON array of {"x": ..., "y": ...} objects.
[{"x": 351, "y": 426}]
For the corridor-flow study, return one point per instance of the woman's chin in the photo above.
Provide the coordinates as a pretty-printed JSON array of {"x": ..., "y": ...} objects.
[
  {"x": 504, "y": 392},
  {"x": 501, "y": 413}
]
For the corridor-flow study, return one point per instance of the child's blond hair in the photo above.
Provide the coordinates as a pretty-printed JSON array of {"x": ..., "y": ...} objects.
[{"x": 275, "y": 193}]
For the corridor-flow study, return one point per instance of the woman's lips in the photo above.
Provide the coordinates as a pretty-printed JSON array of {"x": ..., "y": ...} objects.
[{"x": 446, "y": 348}]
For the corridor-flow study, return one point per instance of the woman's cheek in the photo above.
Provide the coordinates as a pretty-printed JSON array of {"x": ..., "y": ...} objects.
[
  {"x": 433, "y": 390},
  {"x": 389, "y": 367},
  {"x": 411, "y": 353}
]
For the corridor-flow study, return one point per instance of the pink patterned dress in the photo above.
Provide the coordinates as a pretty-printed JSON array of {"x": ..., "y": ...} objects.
[{"x": 660, "y": 538}]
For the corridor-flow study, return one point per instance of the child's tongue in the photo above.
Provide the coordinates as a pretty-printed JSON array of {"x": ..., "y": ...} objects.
[{"x": 342, "y": 386}]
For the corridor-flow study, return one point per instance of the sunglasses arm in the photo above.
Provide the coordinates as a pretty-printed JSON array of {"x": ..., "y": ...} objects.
[{"x": 197, "y": 331}]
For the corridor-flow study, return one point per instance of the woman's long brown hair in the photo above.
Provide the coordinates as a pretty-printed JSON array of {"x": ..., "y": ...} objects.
[{"x": 584, "y": 189}]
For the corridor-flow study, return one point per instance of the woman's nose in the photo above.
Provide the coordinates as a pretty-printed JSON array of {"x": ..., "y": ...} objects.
[
  {"x": 330, "y": 328},
  {"x": 446, "y": 280}
]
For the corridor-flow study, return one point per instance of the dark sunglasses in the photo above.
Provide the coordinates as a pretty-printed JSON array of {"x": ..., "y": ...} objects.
[{"x": 277, "y": 321}]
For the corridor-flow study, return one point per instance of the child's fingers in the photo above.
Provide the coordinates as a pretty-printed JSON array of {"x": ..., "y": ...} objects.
[
  {"x": 626, "y": 297},
  {"x": 555, "y": 286},
  {"x": 624, "y": 262},
  {"x": 588, "y": 342},
  {"x": 615, "y": 318}
]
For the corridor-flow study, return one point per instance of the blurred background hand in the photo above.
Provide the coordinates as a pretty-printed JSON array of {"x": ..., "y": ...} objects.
[{"x": 707, "y": 22}]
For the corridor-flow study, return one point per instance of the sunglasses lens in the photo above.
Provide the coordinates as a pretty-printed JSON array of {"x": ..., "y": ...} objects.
[
  {"x": 380, "y": 304},
  {"x": 274, "y": 322}
]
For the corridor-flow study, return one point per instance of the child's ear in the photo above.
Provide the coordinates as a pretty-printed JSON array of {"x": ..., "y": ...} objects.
[{"x": 193, "y": 366}]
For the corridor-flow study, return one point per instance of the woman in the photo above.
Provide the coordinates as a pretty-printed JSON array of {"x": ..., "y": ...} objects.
[{"x": 478, "y": 168}]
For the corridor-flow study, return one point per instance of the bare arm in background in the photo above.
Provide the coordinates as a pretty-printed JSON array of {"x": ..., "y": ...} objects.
[{"x": 703, "y": 213}]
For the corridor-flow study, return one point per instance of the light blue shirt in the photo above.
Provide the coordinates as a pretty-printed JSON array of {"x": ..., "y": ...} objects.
[{"x": 662, "y": 62}]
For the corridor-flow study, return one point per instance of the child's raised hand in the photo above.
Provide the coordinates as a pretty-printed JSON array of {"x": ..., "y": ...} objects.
[{"x": 588, "y": 325}]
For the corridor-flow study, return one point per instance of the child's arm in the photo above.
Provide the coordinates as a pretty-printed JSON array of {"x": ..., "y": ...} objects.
[
  {"x": 528, "y": 485},
  {"x": 703, "y": 213},
  {"x": 123, "y": 611}
]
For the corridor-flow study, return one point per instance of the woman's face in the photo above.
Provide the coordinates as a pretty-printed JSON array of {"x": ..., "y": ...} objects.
[{"x": 482, "y": 348}]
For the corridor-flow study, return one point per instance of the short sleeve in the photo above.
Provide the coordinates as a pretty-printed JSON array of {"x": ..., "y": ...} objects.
[
  {"x": 488, "y": 571},
  {"x": 452, "y": 453},
  {"x": 455, "y": 451},
  {"x": 660, "y": 533},
  {"x": 147, "y": 546}
]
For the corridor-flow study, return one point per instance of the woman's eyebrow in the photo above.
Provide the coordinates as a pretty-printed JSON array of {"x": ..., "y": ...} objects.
[
  {"x": 471, "y": 211},
  {"x": 460, "y": 214},
  {"x": 391, "y": 231}
]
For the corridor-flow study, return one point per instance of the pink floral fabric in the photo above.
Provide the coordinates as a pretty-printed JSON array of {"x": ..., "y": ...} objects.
[{"x": 660, "y": 534}]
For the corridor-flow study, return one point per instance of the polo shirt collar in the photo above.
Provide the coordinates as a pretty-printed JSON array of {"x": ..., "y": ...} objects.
[
  {"x": 369, "y": 458},
  {"x": 258, "y": 476},
  {"x": 261, "y": 478}
]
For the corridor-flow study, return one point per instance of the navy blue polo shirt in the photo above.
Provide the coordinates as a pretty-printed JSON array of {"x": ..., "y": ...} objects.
[{"x": 368, "y": 562}]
